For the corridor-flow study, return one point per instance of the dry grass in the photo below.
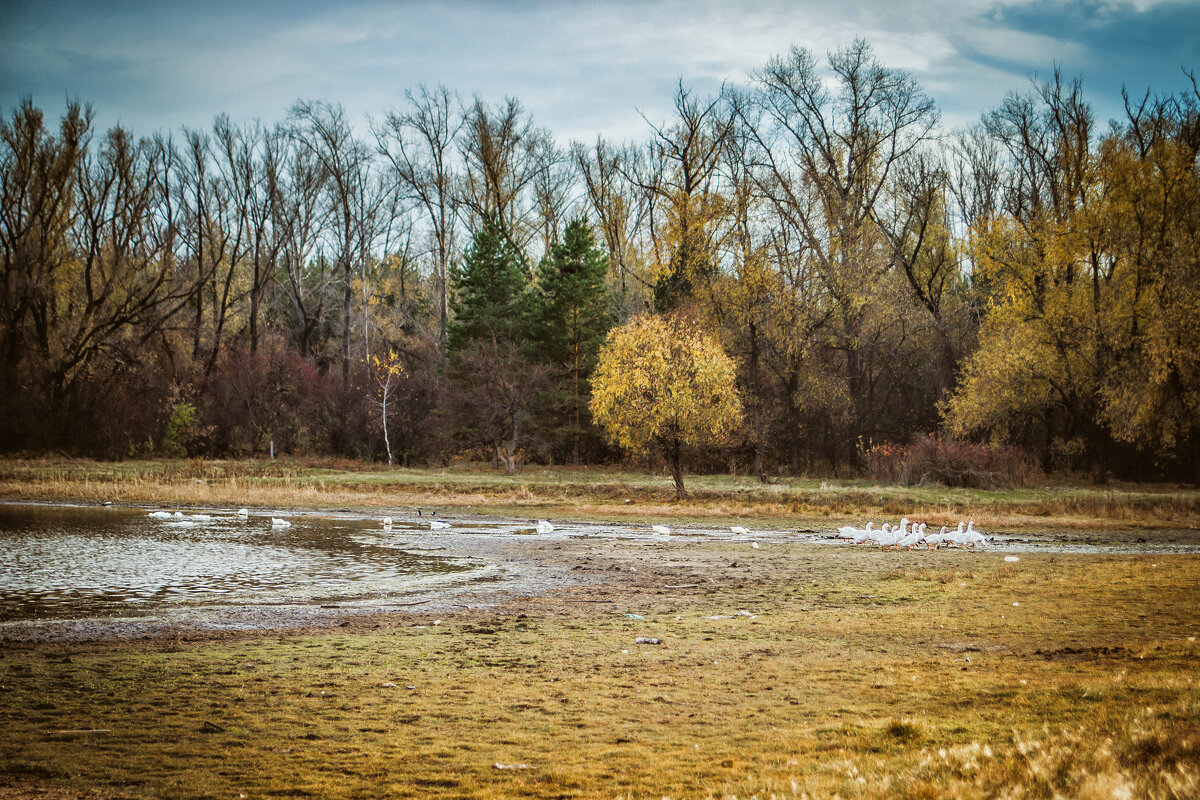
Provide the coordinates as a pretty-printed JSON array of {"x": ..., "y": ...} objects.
[
  {"x": 589, "y": 493},
  {"x": 856, "y": 673}
]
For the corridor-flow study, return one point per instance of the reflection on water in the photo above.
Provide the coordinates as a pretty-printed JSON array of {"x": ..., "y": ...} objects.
[{"x": 60, "y": 562}]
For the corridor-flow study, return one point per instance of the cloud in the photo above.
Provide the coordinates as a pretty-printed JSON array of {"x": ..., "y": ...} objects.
[
  {"x": 1109, "y": 44},
  {"x": 579, "y": 68}
]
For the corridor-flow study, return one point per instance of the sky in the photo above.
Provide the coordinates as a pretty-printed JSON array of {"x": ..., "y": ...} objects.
[{"x": 581, "y": 69}]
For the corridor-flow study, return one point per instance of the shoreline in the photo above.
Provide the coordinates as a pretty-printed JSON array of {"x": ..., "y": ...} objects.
[
  {"x": 580, "y": 494},
  {"x": 526, "y": 566}
]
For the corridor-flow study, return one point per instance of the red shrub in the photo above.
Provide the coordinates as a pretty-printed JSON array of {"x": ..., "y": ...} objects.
[{"x": 951, "y": 462}]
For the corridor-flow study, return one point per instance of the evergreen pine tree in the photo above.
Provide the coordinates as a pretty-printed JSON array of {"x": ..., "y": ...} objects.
[
  {"x": 490, "y": 291},
  {"x": 571, "y": 319}
]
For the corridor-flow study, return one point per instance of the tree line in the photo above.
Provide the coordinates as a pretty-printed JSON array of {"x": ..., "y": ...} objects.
[{"x": 441, "y": 282}]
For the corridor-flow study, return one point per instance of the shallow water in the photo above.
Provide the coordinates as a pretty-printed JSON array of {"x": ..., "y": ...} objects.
[
  {"x": 75, "y": 572},
  {"x": 67, "y": 562}
]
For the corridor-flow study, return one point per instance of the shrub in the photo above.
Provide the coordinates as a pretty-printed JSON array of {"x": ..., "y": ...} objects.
[
  {"x": 181, "y": 429},
  {"x": 951, "y": 462}
]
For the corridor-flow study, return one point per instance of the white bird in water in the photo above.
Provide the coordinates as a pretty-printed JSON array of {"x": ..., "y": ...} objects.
[
  {"x": 936, "y": 539},
  {"x": 739, "y": 529},
  {"x": 160, "y": 514},
  {"x": 856, "y": 534},
  {"x": 438, "y": 525},
  {"x": 661, "y": 529},
  {"x": 276, "y": 522},
  {"x": 544, "y": 526},
  {"x": 387, "y": 523},
  {"x": 243, "y": 513}
]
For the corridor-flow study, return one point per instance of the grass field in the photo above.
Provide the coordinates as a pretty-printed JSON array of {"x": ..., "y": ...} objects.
[
  {"x": 790, "y": 670},
  {"x": 583, "y": 493},
  {"x": 785, "y": 671}
]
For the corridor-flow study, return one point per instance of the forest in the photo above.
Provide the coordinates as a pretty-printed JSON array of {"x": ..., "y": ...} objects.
[{"x": 438, "y": 282}]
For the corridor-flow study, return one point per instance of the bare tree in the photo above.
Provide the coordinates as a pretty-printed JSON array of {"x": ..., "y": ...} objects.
[
  {"x": 499, "y": 148},
  {"x": 420, "y": 146},
  {"x": 322, "y": 129},
  {"x": 304, "y": 271},
  {"x": 688, "y": 150},
  {"x": 826, "y": 157},
  {"x": 37, "y": 191},
  {"x": 553, "y": 184},
  {"x": 619, "y": 211},
  {"x": 270, "y": 223}
]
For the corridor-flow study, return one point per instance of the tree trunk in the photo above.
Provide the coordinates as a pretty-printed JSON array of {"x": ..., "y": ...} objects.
[
  {"x": 575, "y": 400},
  {"x": 346, "y": 298},
  {"x": 677, "y": 469},
  {"x": 503, "y": 454},
  {"x": 756, "y": 407},
  {"x": 386, "y": 442}
]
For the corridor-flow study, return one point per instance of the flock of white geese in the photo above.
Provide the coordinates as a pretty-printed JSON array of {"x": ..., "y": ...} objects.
[
  {"x": 179, "y": 518},
  {"x": 889, "y": 538},
  {"x": 886, "y": 537}
]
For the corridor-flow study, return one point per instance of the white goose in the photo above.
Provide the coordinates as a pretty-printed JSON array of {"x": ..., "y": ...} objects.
[
  {"x": 890, "y": 538},
  {"x": 438, "y": 525},
  {"x": 387, "y": 523},
  {"x": 973, "y": 538},
  {"x": 544, "y": 526},
  {"x": 662, "y": 530},
  {"x": 936, "y": 539},
  {"x": 865, "y": 534},
  {"x": 739, "y": 529},
  {"x": 243, "y": 513},
  {"x": 910, "y": 539},
  {"x": 160, "y": 514},
  {"x": 276, "y": 522}
]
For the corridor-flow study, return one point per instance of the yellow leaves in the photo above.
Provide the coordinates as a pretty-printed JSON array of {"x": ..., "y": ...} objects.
[
  {"x": 387, "y": 369},
  {"x": 663, "y": 379},
  {"x": 1094, "y": 311}
]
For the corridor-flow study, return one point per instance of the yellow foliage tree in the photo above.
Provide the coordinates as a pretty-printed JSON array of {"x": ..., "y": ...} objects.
[
  {"x": 663, "y": 382},
  {"x": 1090, "y": 330},
  {"x": 387, "y": 372}
]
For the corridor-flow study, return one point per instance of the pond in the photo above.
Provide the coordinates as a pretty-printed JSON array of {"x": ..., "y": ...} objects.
[
  {"x": 88, "y": 572},
  {"x": 62, "y": 562}
]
